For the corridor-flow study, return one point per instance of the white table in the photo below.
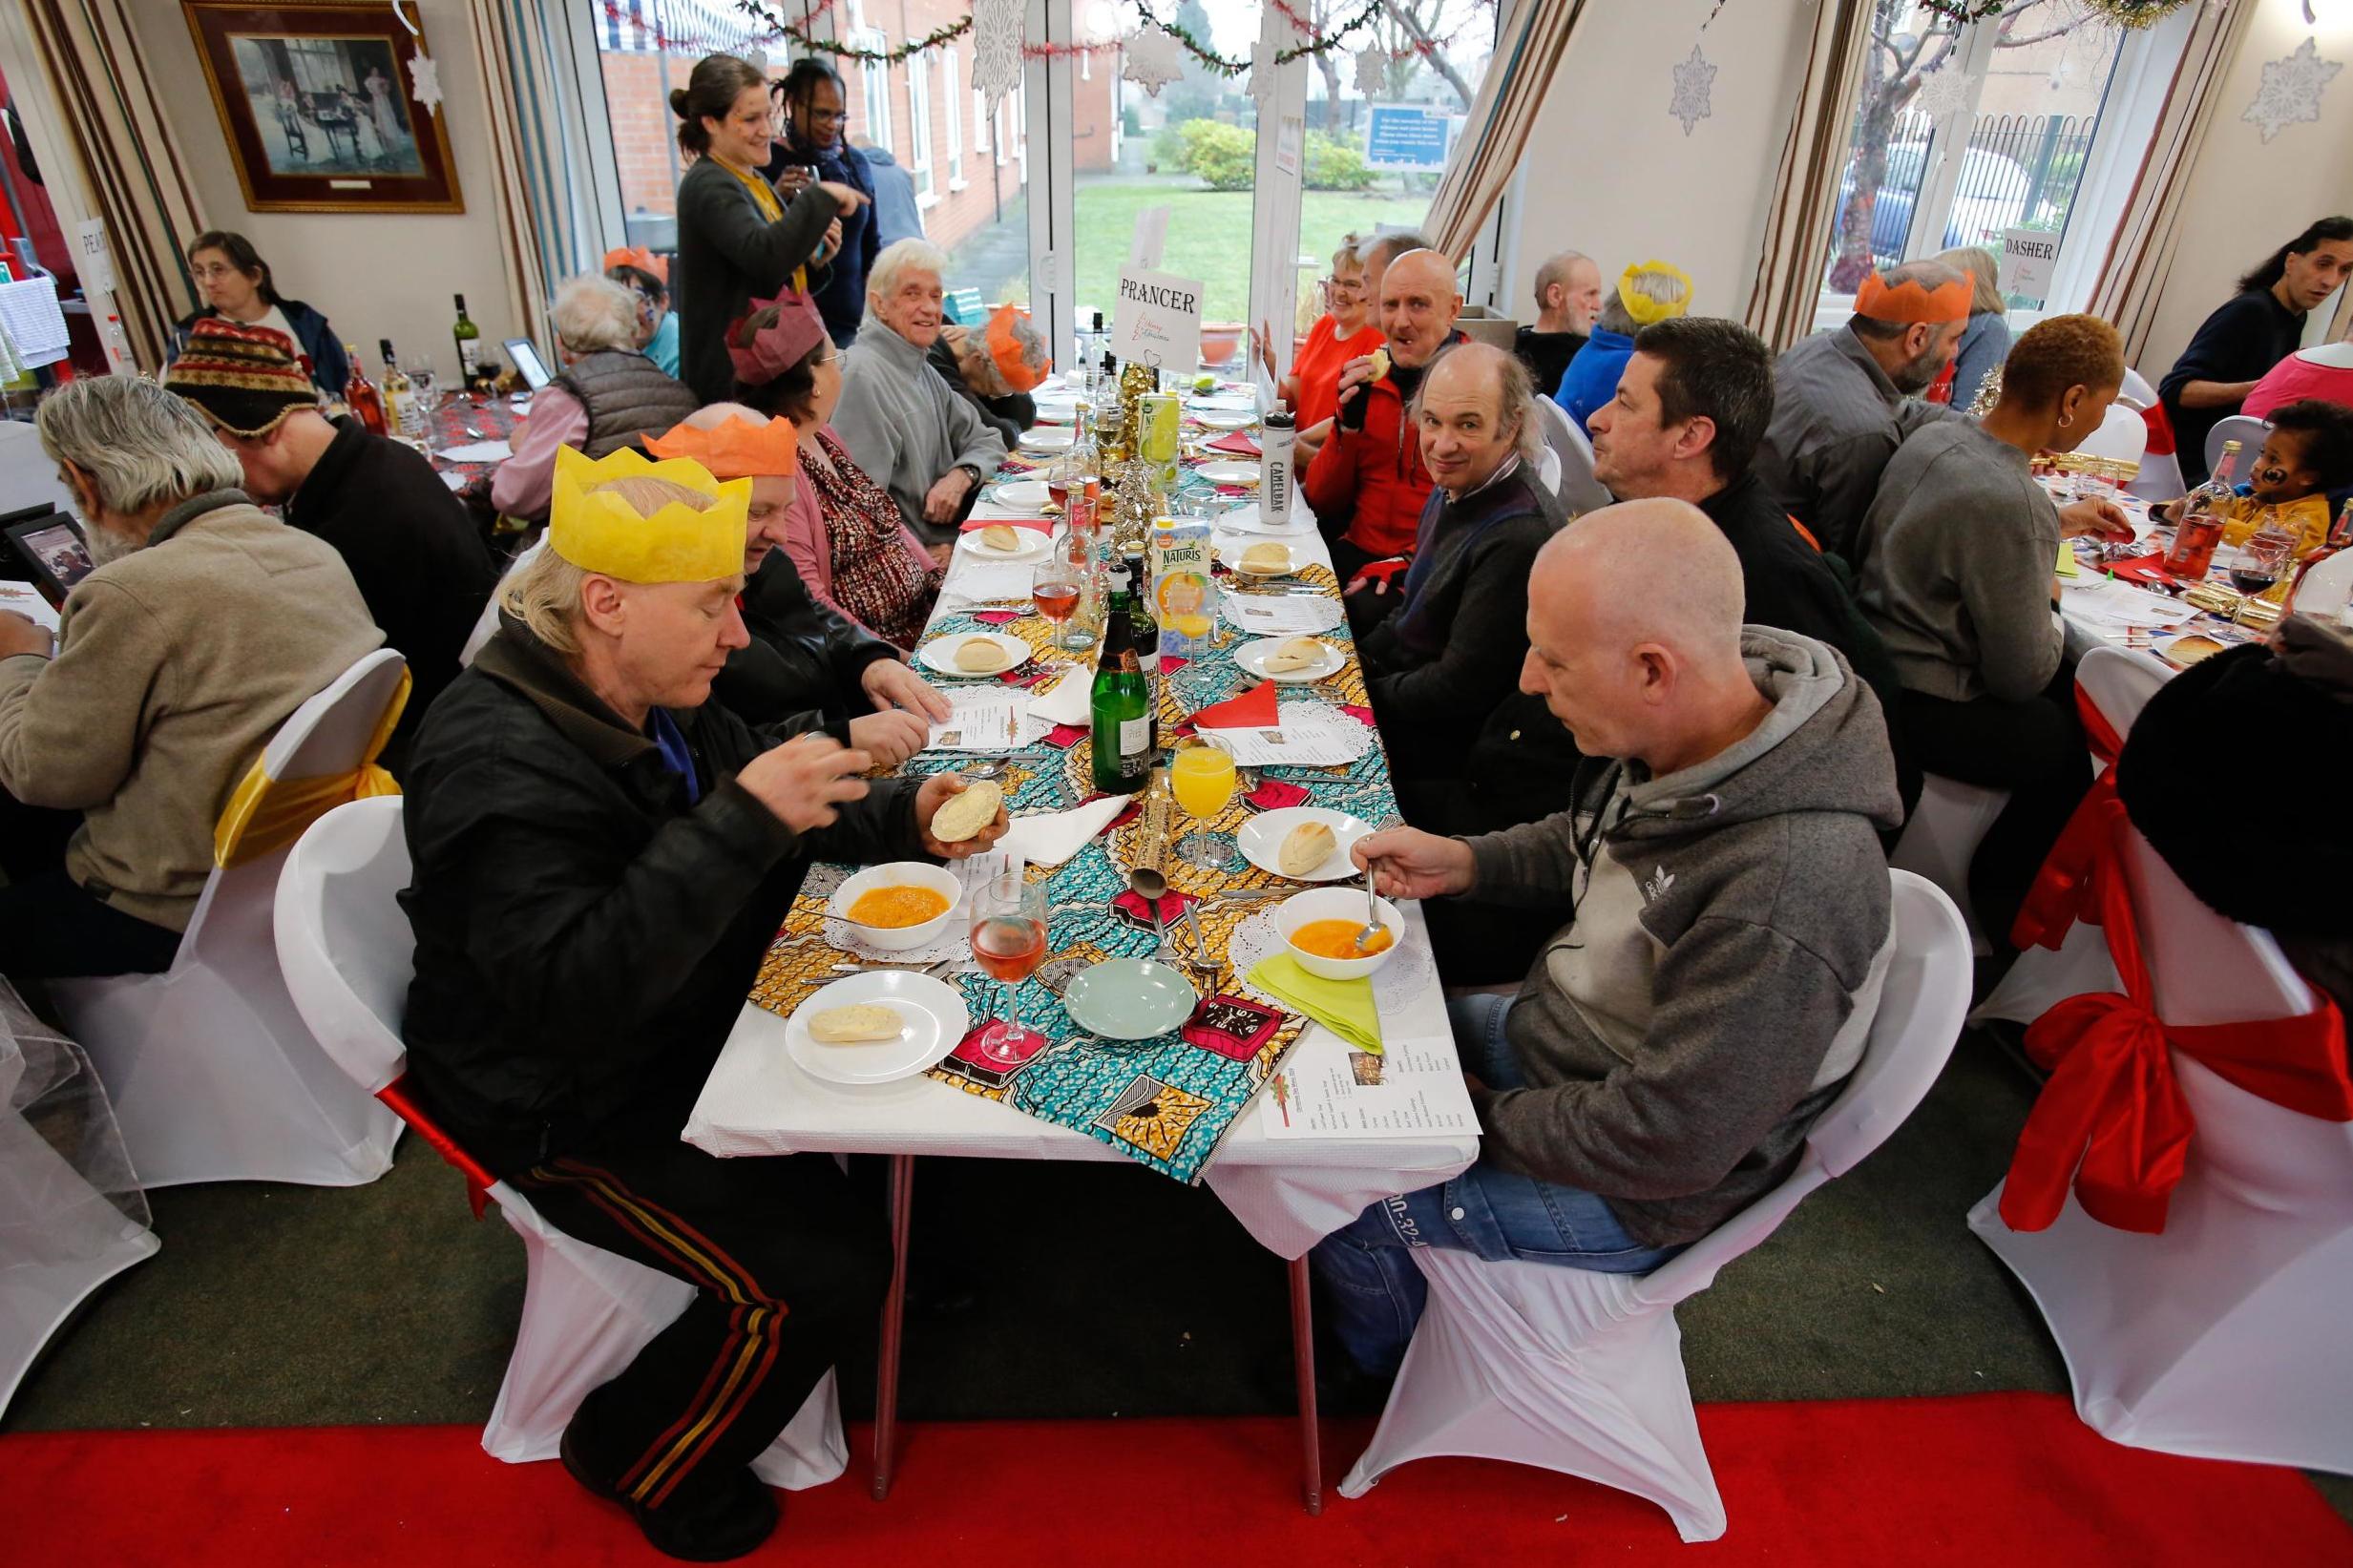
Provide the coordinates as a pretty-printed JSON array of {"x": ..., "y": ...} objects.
[{"x": 1288, "y": 1193}]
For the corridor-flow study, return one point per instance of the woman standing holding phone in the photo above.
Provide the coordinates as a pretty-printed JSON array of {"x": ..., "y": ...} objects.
[{"x": 736, "y": 236}]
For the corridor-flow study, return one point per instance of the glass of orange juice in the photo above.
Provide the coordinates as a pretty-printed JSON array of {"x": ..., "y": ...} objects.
[{"x": 1201, "y": 773}]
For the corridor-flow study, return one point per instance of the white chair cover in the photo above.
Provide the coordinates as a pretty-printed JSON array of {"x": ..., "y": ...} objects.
[
  {"x": 2118, "y": 683},
  {"x": 347, "y": 952},
  {"x": 1941, "y": 837},
  {"x": 2136, "y": 387},
  {"x": 485, "y": 624},
  {"x": 2123, "y": 436},
  {"x": 2326, "y": 587},
  {"x": 2223, "y": 1337},
  {"x": 1579, "y": 491},
  {"x": 2247, "y": 430},
  {"x": 72, "y": 1214},
  {"x": 1583, "y": 1373},
  {"x": 212, "y": 1076}
]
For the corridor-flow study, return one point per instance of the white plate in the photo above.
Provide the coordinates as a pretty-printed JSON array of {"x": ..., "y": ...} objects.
[
  {"x": 935, "y": 1020},
  {"x": 1260, "y": 840},
  {"x": 1245, "y": 520},
  {"x": 1229, "y": 473},
  {"x": 1034, "y": 545},
  {"x": 1026, "y": 494},
  {"x": 1223, "y": 419},
  {"x": 1253, "y": 656},
  {"x": 939, "y": 654},
  {"x": 1050, "y": 439}
]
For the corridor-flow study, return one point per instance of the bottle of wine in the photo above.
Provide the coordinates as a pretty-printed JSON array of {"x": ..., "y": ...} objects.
[
  {"x": 2204, "y": 513},
  {"x": 400, "y": 399},
  {"x": 1146, "y": 627},
  {"x": 1120, "y": 703},
  {"x": 469, "y": 346},
  {"x": 367, "y": 404}
]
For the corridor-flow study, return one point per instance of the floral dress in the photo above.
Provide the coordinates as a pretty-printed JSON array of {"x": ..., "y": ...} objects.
[{"x": 881, "y": 577}]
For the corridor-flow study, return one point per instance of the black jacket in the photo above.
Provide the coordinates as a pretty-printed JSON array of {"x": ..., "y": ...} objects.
[
  {"x": 586, "y": 936},
  {"x": 413, "y": 549},
  {"x": 1439, "y": 665},
  {"x": 1010, "y": 414},
  {"x": 804, "y": 661},
  {"x": 841, "y": 299},
  {"x": 728, "y": 254},
  {"x": 2241, "y": 340},
  {"x": 1793, "y": 586},
  {"x": 1546, "y": 355}
]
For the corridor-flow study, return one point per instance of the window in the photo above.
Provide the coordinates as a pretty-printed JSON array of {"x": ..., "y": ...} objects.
[
  {"x": 997, "y": 138},
  {"x": 1020, "y": 128},
  {"x": 951, "y": 78},
  {"x": 919, "y": 128},
  {"x": 982, "y": 140},
  {"x": 875, "y": 78}
]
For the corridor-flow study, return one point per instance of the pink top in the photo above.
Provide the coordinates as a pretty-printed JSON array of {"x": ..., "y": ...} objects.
[
  {"x": 524, "y": 481},
  {"x": 810, "y": 542},
  {"x": 2295, "y": 378}
]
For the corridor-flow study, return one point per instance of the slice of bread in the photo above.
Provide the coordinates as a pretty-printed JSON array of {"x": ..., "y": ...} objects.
[{"x": 861, "y": 1023}]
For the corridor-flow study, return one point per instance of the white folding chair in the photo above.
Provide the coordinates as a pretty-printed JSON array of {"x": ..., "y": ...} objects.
[
  {"x": 2123, "y": 436},
  {"x": 2247, "y": 430},
  {"x": 1583, "y": 1373},
  {"x": 213, "y": 1076},
  {"x": 2118, "y": 683},
  {"x": 1579, "y": 491},
  {"x": 1940, "y": 837},
  {"x": 2224, "y": 1336},
  {"x": 347, "y": 951},
  {"x": 72, "y": 1215},
  {"x": 485, "y": 624}
]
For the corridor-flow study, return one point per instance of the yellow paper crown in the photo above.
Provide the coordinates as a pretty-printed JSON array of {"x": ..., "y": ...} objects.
[
  {"x": 1640, "y": 306},
  {"x": 736, "y": 448},
  {"x": 598, "y": 531}
]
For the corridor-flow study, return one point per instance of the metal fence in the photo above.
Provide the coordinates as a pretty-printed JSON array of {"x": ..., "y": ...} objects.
[{"x": 2017, "y": 171}]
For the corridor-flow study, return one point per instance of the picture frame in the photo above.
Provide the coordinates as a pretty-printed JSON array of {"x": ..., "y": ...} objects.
[{"x": 314, "y": 100}]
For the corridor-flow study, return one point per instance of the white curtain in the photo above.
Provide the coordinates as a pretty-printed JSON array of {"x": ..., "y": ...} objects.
[{"x": 1534, "y": 37}]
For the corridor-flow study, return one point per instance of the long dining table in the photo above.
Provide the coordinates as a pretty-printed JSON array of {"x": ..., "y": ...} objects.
[{"x": 1321, "y": 1130}]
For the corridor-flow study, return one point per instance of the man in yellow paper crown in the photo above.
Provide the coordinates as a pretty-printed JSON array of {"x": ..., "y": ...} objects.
[
  {"x": 806, "y": 666},
  {"x": 1846, "y": 398},
  {"x": 601, "y": 858}
]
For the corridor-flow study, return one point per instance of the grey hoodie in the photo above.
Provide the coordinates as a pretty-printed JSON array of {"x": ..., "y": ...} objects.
[{"x": 1732, "y": 935}]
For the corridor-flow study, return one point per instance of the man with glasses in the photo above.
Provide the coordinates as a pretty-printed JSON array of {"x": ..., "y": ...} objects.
[{"x": 810, "y": 146}]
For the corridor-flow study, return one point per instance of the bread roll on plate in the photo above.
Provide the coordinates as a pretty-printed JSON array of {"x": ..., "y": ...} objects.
[
  {"x": 1298, "y": 653},
  {"x": 1305, "y": 847},
  {"x": 862, "y": 1023},
  {"x": 982, "y": 655},
  {"x": 1002, "y": 536}
]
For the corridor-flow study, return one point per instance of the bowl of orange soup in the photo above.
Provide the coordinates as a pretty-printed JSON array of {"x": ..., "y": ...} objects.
[
  {"x": 896, "y": 906},
  {"x": 1319, "y": 929}
]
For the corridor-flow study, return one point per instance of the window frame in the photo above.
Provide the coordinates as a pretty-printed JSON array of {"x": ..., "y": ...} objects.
[
  {"x": 951, "y": 89},
  {"x": 919, "y": 130},
  {"x": 874, "y": 82}
]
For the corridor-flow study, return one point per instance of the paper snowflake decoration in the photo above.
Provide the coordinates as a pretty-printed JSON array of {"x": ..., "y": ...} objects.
[
  {"x": 1372, "y": 72},
  {"x": 1154, "y": 59},
  {"x": 425, "y": 82},
  {"x": 996, "y": 48},
  {"x": 1263, "y": 72},
  {"x": 2291, "y": 90},
  {"x": 1942, "y": 91},
  {"x": 1694, "y": 80}
]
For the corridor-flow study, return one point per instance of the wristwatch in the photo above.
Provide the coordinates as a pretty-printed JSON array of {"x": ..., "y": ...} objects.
[{"x": 971, "y": 469}]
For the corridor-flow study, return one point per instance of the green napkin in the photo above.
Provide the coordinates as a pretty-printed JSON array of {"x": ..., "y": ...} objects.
[{"x": 1345, "y": 1007}]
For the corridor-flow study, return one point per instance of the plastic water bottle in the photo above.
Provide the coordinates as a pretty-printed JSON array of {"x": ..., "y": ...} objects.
[{"x": 1275, "y": 478}]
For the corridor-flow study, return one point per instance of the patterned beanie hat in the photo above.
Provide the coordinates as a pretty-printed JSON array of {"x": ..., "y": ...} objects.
[{"x": 244, "y": 379}]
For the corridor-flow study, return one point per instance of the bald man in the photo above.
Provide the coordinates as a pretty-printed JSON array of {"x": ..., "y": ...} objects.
[
  {"x": 808, "y": 666},
  {"x": 1568, "y": 299},
  {"x": 1367, "y": 484},
  {"x": 1661, "y": 1063}
]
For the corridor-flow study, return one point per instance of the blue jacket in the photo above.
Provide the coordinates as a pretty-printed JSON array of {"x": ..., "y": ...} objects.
[
  {"x": 330, "y": 367},
  {"x": 896, "y": 216},
  {"x": 1592, "y": 378},
  {"x": 841, "y": 299}
]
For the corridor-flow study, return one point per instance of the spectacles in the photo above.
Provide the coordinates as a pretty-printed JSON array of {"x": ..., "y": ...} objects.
[{"x": 206, "y": 274}]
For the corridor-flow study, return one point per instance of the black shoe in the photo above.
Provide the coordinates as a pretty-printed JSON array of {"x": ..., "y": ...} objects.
[{"x": 730, "y": 1523}]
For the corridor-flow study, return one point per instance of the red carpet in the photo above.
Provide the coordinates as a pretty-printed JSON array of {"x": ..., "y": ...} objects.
[{"x": 2007, "y": 1479}]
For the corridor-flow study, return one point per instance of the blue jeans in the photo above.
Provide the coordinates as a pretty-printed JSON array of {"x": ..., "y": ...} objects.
[{"x": 1374, "y": 1292}]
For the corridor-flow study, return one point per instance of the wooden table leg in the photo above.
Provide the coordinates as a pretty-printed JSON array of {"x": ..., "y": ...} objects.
[
  {"x": 894, "y": 1320},
  {"x": 1303, "y": 1365}
]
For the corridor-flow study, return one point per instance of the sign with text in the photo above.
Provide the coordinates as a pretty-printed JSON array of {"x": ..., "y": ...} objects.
[
  {"x": 94, "y": 265},
  {"x": 1408, "y": 137},
  {"x": 2029, "y": 258},
  {"x": 1157, "y": 319}
]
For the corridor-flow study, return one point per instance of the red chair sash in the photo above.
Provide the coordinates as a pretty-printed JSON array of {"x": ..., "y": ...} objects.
[
  {"x": 478, "y": 1179},
  {"x": 2113, "y": 1122},
  {"x": 2063, "y": 893}
]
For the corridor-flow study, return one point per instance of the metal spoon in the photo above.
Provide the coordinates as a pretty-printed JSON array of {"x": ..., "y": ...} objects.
[{"x": 1371, "y": 927}]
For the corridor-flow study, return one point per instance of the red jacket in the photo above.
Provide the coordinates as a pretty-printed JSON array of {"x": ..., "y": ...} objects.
[{"x": 1371, "y": 479}]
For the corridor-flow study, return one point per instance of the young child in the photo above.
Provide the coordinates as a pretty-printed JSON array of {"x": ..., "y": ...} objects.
[{"x": 2307, "y": 453}]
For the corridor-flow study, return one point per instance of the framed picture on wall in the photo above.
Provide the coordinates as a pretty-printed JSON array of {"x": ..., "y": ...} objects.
[{"x": 314, "y": 100}]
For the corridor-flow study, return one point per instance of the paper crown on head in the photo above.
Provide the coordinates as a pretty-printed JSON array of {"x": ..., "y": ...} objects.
[
  {"x": 736, "y": 448},
  {"x": 1016, "y": 348},
  {"x": 640, "y": 258},
  {"x": 598, "y": 531},
  {"x": 1640, "y": 306},
  {"x": 1909, "y": 302},
  {"x": 762, "y": 354}
]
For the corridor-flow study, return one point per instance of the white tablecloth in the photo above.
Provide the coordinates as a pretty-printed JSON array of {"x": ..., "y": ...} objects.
[{"x": 1288, "y": 1193}]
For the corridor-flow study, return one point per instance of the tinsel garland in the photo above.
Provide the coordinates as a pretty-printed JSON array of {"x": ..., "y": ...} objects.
[{"x": 2134, "y": 14}]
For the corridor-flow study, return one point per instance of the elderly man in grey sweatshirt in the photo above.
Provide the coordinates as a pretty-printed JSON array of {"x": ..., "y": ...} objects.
[
  {"x": 903, "y": 424},
  {"x": 1661, "y": 1064}
]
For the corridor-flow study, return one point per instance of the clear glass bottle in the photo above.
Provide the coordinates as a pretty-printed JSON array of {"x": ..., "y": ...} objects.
[
  {"x": 2205, "y": 511},
  {"x": 402, "y": 409}
]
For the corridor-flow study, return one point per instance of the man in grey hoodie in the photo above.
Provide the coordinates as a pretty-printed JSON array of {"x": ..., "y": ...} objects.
[{"x": 1660, "y": 1066}]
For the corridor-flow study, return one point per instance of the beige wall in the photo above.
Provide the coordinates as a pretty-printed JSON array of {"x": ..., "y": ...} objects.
[
  {"x": 2248, "y": 198},
  {"x": 375, "y": 275},
  {"x": 1612, "y": 174}
]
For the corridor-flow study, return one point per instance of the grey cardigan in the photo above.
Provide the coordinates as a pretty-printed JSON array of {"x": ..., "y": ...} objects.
[
  {"x": 728, "y": 252},
  {"x": 1959, "y": 551},
  {"x": 903, "y": 426}
]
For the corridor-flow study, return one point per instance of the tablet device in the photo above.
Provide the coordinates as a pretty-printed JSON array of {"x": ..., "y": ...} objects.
[
  {"x": 53, "y": 545},
  {"x": 528, "y": 362}
]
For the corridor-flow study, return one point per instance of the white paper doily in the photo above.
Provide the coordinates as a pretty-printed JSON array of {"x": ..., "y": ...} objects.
[{"x": 1395, "y": 984}]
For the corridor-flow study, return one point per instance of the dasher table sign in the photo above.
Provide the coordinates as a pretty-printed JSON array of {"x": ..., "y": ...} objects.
[
  {"x": 2029, "y": 258},
  {"x": 1157, "y": 319}
]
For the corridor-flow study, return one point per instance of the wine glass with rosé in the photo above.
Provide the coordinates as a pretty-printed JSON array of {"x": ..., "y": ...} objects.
[
  {"x": 1054, "y": 588},
  {"x": 1009, "y": 938}
]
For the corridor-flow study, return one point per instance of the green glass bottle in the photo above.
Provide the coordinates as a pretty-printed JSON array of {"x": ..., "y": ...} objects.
[
  {"x": 469, "y": 346},
  {"x": 1120, "y": 703}
]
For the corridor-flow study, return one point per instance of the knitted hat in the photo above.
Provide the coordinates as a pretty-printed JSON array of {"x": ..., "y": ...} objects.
[
  {"x": 763, "y": 353},
  {"x": 244, "y": 379}
]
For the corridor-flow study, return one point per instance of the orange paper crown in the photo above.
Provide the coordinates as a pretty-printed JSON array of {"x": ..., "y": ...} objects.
[
  {"x": 736, "y": 448},
  {"x": 1017, "y": 350},
  {"x": 640, "y": 258},
  {"x": 1909, "y": 302}
]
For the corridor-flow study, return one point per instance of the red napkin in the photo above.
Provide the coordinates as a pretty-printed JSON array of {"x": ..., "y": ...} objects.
[
  {"x": 1233, "y": 1027},
  {"x": 1357, "y": 711},
  {"x": 1253, "y": 709},
  {"x": 1274, "y": 794},
  {"x": 1066, "y": 736},
  {"x": 996, "y": 617},
  {"x": 2146, "y": 569},
  {"x": 1169, "y": 664},
  {"x": 1233, "y": 441},
  {"x": 1043, "y": 525},
  {"x": 1137, "y": 910}
]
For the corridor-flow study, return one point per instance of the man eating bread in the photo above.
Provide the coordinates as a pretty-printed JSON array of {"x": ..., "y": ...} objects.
[{"x": 602, "y": 855}]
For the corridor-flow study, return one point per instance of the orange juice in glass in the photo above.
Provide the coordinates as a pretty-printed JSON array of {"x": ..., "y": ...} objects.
[{"x": 1201, "y": 775}]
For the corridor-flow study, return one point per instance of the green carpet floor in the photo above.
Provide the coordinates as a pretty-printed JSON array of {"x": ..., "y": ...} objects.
[{"x": 1063, "y": 1291}]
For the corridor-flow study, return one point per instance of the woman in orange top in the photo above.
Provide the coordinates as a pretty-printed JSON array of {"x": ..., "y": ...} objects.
[{"x": 1345, "y": 331}]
